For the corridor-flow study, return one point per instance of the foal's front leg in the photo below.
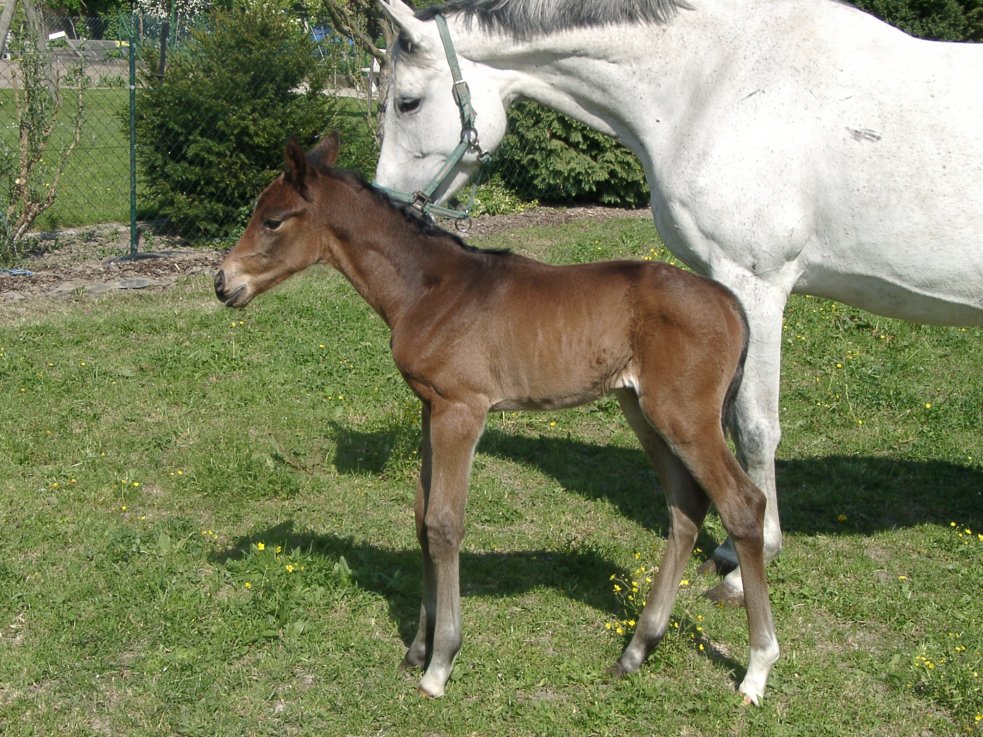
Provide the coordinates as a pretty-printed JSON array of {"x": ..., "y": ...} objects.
[{"x": 451, "y": 432}]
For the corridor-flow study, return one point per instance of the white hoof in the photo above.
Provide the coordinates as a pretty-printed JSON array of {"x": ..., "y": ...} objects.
[{"x": 431, "y": 686}]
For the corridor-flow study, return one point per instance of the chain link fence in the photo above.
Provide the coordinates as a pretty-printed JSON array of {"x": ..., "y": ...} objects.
[
  {"x": 104, "y": 179},
  {"x": 133, "y": 161}
]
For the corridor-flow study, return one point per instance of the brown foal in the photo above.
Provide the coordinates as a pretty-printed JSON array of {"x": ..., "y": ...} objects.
[{"x": 475, "y": 331}]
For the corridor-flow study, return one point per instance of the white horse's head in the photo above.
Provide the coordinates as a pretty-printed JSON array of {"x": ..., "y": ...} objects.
[{"x": 422, "y": 121}]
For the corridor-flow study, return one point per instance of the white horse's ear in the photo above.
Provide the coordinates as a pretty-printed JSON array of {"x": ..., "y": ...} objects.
[{"x": 408, "y": 25}]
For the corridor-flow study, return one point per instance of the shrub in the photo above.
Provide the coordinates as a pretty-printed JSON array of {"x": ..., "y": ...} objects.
[
  {"x": 212, "y": 130},
  {"x": 939, "y": 20},
  {"x": 31, "y": 168},
  {"x": 549, "y": 156}
]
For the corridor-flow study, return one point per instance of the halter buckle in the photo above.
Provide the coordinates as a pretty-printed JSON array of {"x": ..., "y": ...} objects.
[
  {"x": 462, "y": 93},
  {"x": 421, "y": 202}
]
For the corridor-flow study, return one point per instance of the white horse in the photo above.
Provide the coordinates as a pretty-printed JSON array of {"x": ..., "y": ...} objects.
[{"x": 789, "y": 145}]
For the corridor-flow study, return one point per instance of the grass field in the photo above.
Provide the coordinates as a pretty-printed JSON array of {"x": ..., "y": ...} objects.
[{"x": 207, "y": 530}]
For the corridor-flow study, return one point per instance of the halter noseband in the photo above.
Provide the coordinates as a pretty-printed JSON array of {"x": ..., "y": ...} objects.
[{"x": 422, "y": 200}]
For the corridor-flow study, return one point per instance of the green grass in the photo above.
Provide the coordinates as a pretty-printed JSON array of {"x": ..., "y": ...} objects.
[
  {"x": 96, "y": 183},
  {"x": 151, "y": 443}
]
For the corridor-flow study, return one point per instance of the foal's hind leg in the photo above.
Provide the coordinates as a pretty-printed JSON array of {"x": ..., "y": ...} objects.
[
  {"x": 687, "y": 508},
  {"x": 699, "y": 443}
]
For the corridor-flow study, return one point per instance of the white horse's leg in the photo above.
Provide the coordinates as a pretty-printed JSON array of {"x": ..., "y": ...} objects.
[{"x": 756, "y": 427}]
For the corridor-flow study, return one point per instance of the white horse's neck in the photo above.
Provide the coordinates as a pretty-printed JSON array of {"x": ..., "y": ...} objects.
[
  {"x": 644, "y": 84},
  {"x": 603, "y": 76}
]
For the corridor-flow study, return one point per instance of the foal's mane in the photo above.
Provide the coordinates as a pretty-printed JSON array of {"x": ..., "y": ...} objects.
[
  {"x": 528, "y": 18},
  {"x": 417, "y": 222}
]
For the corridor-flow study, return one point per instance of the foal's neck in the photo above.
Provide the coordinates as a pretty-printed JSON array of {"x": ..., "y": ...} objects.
[{"x": 388, "y": 260}]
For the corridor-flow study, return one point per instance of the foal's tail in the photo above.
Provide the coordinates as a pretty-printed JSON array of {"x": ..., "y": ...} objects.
[{"x": 727, "y": 411}]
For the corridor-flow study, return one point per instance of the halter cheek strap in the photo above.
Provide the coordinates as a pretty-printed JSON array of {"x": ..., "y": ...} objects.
[{"x": 422, "y": 200}]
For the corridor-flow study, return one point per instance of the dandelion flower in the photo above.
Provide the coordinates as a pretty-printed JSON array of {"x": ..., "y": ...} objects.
[
  {"x": 260, "y": 546},
  {"x": 841, "y": 518},
  {"x": 247, "y": 585}
]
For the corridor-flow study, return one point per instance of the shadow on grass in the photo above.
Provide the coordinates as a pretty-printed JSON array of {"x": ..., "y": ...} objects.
[
  {"x": 396, "y": 575},
  {"x": 874, "y": 493}
]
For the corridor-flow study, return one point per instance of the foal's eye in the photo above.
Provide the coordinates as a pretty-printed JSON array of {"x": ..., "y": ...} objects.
[
  {"x": 272, "y": 223},
  {"x": 407, "y": 105}
]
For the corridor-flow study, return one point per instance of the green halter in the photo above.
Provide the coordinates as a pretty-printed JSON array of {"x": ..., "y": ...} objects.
[{"x": 422, "y": 200}]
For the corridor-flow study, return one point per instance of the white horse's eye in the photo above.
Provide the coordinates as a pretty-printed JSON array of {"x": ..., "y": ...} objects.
[
  {"x": 407, "y": 105},
  {"x": 406, "y": 45}
]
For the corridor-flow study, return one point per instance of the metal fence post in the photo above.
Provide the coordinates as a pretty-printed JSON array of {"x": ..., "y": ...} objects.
[{"x": 134, "y": 236}]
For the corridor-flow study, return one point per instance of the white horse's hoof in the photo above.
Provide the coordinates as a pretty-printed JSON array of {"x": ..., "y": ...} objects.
[
  {"x": 725, "y": 594},
  {"x": 431, "y": 686},
  {"x": 428, "y": 694}
]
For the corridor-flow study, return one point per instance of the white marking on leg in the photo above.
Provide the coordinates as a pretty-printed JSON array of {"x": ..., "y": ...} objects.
[{"x": 759, "y": 666}]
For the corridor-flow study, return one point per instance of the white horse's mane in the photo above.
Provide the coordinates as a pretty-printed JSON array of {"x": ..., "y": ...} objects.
[{"x": 530, "y": 18}]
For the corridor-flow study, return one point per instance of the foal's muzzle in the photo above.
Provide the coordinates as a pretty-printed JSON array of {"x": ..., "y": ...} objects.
[{"x": 236, "y": 298}]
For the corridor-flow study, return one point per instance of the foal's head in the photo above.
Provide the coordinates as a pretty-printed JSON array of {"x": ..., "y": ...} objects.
[{"x": 282, "y": 237}]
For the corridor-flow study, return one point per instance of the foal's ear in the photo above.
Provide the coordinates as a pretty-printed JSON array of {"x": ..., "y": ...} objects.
[
  {"x": 296, "y": 161},
  {"x": 326, "y": 151}
]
